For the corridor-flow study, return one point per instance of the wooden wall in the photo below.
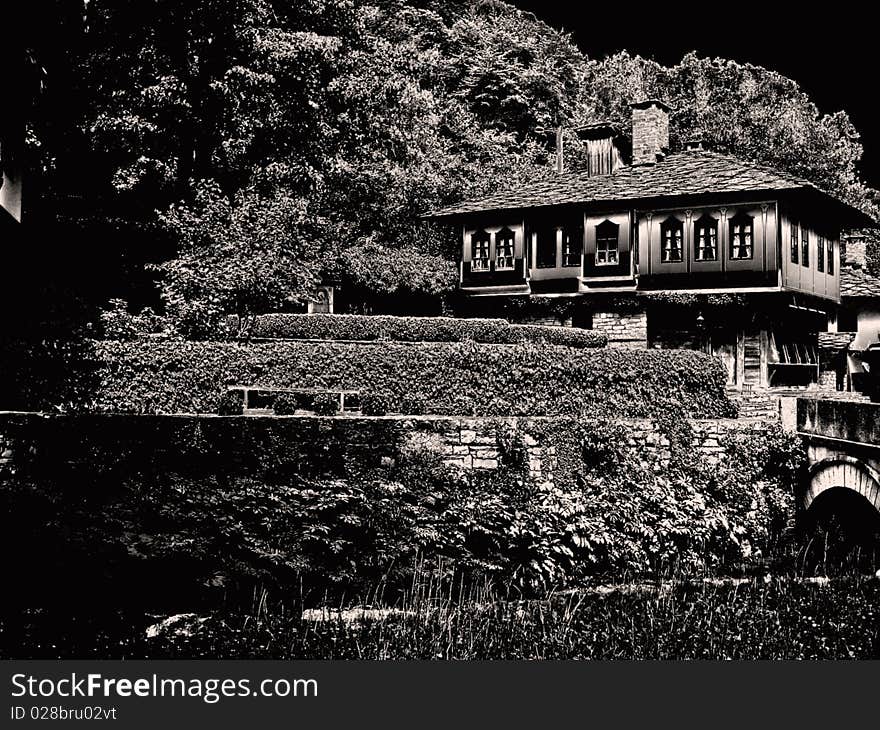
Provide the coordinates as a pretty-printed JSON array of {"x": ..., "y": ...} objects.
[
  {"x": 808, "y": 279},
  {"x": 689, "y": 270}
]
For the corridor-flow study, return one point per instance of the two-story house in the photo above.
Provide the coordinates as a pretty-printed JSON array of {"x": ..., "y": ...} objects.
[{"x": 690, "y": 249}]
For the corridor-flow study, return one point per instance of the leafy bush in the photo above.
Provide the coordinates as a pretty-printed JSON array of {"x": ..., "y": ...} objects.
[
  {"x": 650, "y": 511},
  {"x": 231, "y": 403},
  {"x": 452, "y": 378},
  {"x": 413, "y": 405},
  {"x": 416, "y": 329},
  {"x": 286, "y": 404},
  {"x": 375, "y": 404},
  {"x": 347, "y": 505},
  {"x": 325, "y": 404},
  {"x": 118, "y": 323}
]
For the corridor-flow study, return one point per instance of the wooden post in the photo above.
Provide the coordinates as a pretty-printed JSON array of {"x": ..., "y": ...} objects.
[
  {"x": 764, "y": 344},
  {"x": 560, "y": 160}
]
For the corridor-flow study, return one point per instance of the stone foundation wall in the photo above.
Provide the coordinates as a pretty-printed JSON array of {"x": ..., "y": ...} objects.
[
  {"x": 473, "y": 443},
  {"x": 250, "y": 443},
  {"x": 547, "y": 320},
  {"x": 623, "y": 329}
]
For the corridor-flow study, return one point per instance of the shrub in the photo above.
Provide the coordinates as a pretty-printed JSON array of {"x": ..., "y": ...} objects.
[
  {"x": 231, "y": 403},
  {"x": 325, "y": 404},
  {"x": 349, "y": 504},
  {"x": 413, "y": 405},
  {"x": 375, "y": 404},
  {"x": 452, "y": 378},
  {"x": 118, "y": 323},
  {"x": 286, "y": 404},
  {"x": 416, "y": 329}
]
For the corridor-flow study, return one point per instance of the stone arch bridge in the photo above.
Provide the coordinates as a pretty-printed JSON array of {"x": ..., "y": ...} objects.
[{"x": 843, "y": 446}]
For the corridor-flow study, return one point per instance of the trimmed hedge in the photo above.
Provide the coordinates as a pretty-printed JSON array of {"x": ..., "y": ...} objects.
[
  {"x": 416, "y": 329},
  {"x": 450, "y": 378}
]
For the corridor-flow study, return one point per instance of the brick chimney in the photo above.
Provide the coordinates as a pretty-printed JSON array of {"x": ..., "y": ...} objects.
[{"x": 650, "y": 131}]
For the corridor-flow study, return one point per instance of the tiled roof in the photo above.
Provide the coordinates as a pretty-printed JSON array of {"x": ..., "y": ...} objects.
[
  {"x": 680, "y": 174},
  {"x": 858, "y": 283}
]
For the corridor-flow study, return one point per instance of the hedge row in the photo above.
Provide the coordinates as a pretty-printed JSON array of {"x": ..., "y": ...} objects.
[
  {"x": 416, "y": 329},
  {"x": 451, "y": 378}
]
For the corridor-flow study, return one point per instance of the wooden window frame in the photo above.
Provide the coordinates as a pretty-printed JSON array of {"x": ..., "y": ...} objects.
[
  {"x": 505, "y": 237},
  {"x": 820, "y": 254},
  {"x": 572, "y": 246},
  {"x": 708, "y": 224},
  {"x": 740, "y": 225},
  {"x": 795, "y": 244},
  {"x": 478, "y": 239},
  {"x": 805, "y": 247},
  {"x": 607, "y": 249},
  {"x": 673, "y": 230},
  {"x": 539, "y": 263},
  {"x": 829, "y": 243}
]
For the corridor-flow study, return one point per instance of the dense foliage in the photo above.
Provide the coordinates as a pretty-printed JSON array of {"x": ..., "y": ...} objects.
[
  {"x": 451, "y": 378},
  {"x": 304, "y": 138},
  {"x": 351, "y": 506},
  {"x": 413, "y": 329}
]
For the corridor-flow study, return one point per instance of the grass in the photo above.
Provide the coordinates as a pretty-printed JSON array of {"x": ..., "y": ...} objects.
[{"x": 778, "y": 619}]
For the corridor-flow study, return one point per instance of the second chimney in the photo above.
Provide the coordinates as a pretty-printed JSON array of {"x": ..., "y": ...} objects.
[{"x": 650, "y": 131}]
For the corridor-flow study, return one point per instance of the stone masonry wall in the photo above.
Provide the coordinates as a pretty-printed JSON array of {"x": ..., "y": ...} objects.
[
  {"x": 623, "y": 329},
  {"x": 248, "y": 442},
  {"x": 472, "y": 443}
]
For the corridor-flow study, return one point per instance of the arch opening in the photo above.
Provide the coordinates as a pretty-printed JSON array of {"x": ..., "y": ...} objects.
[{"x": 841, "y": 533}]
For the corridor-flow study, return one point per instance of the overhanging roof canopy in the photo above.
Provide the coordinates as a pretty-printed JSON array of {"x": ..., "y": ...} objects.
[{"x": 679, "y": 175}]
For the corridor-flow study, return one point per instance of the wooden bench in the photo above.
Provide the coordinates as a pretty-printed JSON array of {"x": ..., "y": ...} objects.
[{"x": 258, "y": 401}]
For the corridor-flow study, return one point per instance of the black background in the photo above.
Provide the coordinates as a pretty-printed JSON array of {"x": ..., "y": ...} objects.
[{"x": 831, "y": 49}]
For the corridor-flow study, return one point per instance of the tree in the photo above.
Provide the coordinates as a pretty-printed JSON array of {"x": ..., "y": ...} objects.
[
  {"x": 740, "y": 109},
  {"x": 244, "y": 256},
  {"x": 358, "y": 115}
]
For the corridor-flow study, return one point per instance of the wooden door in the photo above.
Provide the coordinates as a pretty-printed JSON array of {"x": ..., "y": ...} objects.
[{"x": 724, "y": 345}]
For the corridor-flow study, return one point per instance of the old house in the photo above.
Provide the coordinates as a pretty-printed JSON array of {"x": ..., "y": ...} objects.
[{"x": 688, "y": 249}]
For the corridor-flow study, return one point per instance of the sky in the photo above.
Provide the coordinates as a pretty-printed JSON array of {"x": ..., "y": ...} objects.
[{"x": 831, "y": 50}]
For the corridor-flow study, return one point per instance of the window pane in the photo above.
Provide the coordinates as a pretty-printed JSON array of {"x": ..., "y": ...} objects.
[
  {"x": 572, "y": 245},
  {"x": 741, "y": 232},
  {"x": 706, "y": 235},
  {"x": 480, "y": 251},
  {"x": 606, "y": 243},
  {"x": 504, "y": 249},
  {"x": 546, "y": 248}
]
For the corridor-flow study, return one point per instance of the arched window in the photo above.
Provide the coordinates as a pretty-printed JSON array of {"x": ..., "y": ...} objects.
[
  {"x": 820, "y": 254},
  {"x": 742, "y": 235},
  {"x": 706, "y": 239},
  {"x": 504, "y": 249},
  {"x": 606, "y": 244},
  {"x": 479, "y": 251},
  {"x": 671, "y": 241},
  {"x": 572, "y": 245},
  {"x": 545, "y": 247}
]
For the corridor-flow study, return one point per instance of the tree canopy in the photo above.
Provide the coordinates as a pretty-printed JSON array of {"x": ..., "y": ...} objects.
[{"x": 238, "y": 150}]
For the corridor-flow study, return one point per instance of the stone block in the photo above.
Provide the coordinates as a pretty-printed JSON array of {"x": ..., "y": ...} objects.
[{"x": 467, "y": 436}]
